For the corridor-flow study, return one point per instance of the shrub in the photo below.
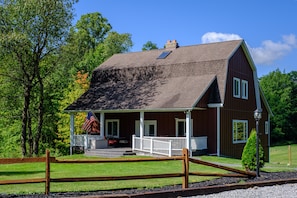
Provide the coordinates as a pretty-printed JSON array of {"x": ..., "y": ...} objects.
[{"x": 249, "y": 158}]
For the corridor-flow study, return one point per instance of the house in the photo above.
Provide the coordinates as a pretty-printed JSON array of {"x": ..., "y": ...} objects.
[{"x": 201, "y": 97}]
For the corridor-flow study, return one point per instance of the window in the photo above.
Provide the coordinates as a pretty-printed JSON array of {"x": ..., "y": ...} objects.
[
  {"x": 240, "y": 131},
  {"x": 112, "y": 128},
  {"x": 266, "y": 127},
  {"x": 244, "y": 89},
  {"x": 180, "y": 127},
  {"x": 150, "y": 128},
  {"x": 236, "y": 87}
]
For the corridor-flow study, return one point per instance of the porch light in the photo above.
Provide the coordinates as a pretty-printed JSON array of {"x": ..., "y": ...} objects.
[{"x": 257, "y": 116}]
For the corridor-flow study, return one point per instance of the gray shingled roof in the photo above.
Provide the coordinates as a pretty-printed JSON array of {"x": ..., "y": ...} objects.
[{"x": 139, "y": 80}]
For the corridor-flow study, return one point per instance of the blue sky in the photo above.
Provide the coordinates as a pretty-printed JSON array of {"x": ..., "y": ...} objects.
[{"x": 269, "y": 27}]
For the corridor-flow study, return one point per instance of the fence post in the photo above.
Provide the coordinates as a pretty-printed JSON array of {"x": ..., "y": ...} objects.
[
  {"x": 185, "y": 168},
  {"x": 47, "y": 173}
]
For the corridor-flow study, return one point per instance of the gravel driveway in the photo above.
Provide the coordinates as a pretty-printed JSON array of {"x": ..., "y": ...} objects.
[{"x": 279, "y": 191}]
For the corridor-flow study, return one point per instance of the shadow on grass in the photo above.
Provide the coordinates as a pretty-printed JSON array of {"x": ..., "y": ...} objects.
[{"x": 12, "y": 173}]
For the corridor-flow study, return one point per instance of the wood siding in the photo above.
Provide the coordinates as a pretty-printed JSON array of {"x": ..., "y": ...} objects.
[{"x": 238, "y": 108}]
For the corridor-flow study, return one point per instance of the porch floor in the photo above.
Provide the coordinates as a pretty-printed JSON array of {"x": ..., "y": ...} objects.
[{"x": 110, "y": 152}]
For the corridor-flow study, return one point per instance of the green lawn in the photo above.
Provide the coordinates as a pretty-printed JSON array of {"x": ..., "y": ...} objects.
[{"x": 279, "y": 162}]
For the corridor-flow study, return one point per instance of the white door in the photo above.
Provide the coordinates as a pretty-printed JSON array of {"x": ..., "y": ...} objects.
[{"x": 150, "y": 128}]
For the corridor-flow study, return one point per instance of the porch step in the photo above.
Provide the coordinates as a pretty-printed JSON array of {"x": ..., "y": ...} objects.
[
  {"x": 129, "y": 153},
  {"x": 109, "y": 152}
]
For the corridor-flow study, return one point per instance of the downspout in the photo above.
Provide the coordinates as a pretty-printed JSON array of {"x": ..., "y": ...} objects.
[
  {"x": 257, "y": 90},
  {"x": 71, "y": 131}
]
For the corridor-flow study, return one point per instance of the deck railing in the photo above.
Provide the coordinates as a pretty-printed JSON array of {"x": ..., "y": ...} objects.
[{"x": 167, "y": 146}]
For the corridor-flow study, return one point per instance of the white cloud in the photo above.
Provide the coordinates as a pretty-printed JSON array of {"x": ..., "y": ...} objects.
[
  {"x": 270, "y": 51},
  {"x": 266, "y": 54},
  {"x": 211, "y": 37}
]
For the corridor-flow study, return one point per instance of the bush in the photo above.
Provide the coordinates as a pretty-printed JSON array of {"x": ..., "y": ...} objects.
[{"x": 249, "y": 158}]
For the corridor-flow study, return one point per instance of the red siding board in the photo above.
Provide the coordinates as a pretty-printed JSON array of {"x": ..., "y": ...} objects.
[{"x": 237, "y": 108}]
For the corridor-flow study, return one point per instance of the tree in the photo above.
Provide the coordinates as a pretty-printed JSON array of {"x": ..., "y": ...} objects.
[
  {"x": 278, "y": 89},
  {"x": 149, "y": 46},
  {"x": 248, "y": 158},
  {"x": 30, "y": 31},
  {"x": 84, "y": 37},
  {"x": 80, "y": 60}
]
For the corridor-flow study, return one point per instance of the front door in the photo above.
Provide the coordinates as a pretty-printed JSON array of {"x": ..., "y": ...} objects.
[{"x": 150, "y": 128}]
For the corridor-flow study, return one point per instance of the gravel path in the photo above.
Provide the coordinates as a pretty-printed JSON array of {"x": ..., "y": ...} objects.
[{"x": 280, "y": 191}]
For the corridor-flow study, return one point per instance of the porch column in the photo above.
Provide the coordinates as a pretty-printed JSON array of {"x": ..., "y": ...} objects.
[
  {"x": 71, "y": 132},
  {"x": 141, "y": 130},
  {"x": 218, "y": 132},
  {"x": 188, "y": 131},
  {"x": 102, "y": 125}
]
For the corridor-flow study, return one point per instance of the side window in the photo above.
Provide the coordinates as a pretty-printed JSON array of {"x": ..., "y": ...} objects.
[
  {"x": 112, "y": 128},
  {"x": 240, "y": 131},
  {"x": 236, "y": 87},
  {"x": 266, "y": 127},
  {"x": 244, "y": 89}
]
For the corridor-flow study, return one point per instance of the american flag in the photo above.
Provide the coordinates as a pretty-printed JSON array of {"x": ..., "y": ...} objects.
[{"x": 90, "y": 119}]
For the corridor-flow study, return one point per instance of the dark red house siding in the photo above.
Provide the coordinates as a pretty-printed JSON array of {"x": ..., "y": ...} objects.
[
  {"x": 239, "y": 68},
  {"x": 203, "y": 124}
]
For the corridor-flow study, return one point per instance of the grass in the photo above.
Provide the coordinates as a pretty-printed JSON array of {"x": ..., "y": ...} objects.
[{"x": 278, "y": 162}]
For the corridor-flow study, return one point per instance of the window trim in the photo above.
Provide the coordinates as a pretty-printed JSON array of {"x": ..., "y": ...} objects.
[
  {"x": 236, "y": 87},
  {"x": 118, "y": 127},
  {"x": 244, "y": 89},
  {"x": 233, "y": 131}
]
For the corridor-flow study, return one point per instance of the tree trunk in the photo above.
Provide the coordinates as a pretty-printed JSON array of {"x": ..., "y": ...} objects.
[
  {"x": 40, "y": 113},
  {"x": 27, "y": 93},
  {"x": 30, "y": 135}
]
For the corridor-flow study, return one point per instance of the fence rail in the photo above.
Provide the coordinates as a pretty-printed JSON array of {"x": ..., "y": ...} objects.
[{"x": 184, "y": 174}]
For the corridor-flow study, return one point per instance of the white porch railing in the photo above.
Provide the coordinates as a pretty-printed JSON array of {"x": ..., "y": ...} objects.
[
  {"x": 89, "y": 141},
  {"x": 167, "y": 145}
]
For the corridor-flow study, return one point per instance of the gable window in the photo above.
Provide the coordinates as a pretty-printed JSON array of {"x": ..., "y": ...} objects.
[
  {"x": 236, "y": 87},
  {"x": 240, "y": 131},
  {"x": 244, "y": 89},
  {"x": 180, "y": 127},
  {"x": 112, "y": 128},
  {"x": 150, "y": 128}
]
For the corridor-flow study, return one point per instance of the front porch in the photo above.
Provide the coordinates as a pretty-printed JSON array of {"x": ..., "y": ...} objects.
[{"x": 167, "y": 146}]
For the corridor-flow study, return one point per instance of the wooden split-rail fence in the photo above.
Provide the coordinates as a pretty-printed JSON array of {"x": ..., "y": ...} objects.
[{"x": 184, "y": 158}]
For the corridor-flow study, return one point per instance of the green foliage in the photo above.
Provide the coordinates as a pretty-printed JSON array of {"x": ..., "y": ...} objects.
[
  {"x": 248, "y": 158},
  {"x": 280, "y": 91},
  {"x": 149, "y": 46}
]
